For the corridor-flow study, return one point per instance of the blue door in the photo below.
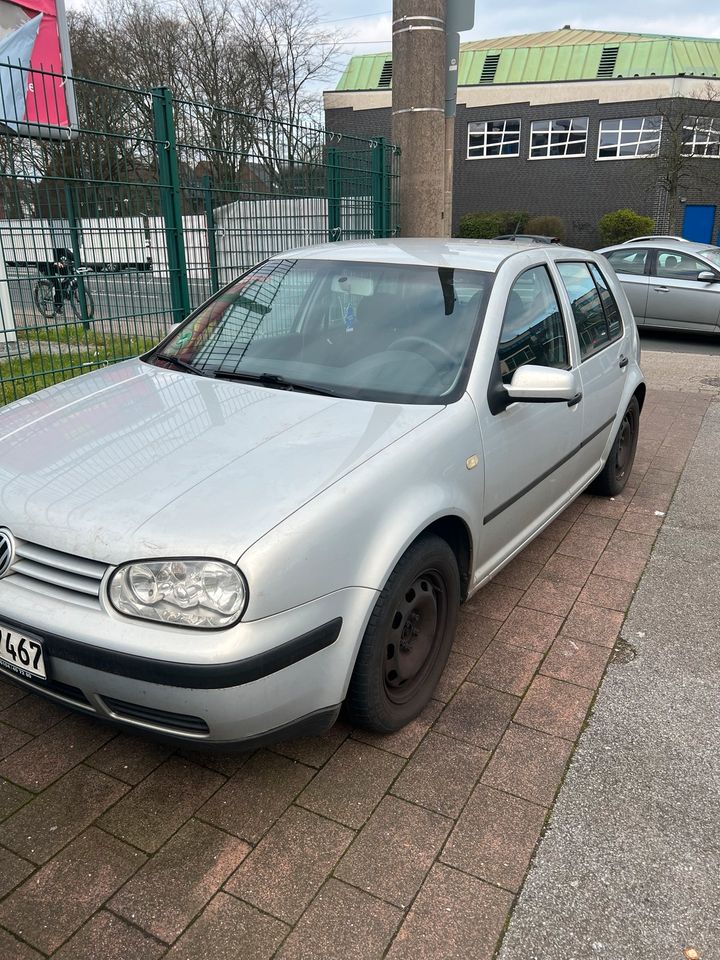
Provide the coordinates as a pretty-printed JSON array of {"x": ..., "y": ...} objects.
[{"x": 698, "y": 222}]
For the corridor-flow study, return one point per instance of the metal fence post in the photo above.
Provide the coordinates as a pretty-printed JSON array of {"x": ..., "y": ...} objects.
[
  {"x": 169, "y": 179},
  {"x": 380, "y": 189},
  {"x": 211, "y": 233},
  {"x": 75, "y": 242},
  {"x": 334, "y": 193}
]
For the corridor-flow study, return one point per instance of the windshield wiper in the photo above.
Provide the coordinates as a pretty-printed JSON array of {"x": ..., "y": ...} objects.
[
  {"x": 273, "y": 380},
  {"x": 181, "y": 364}
]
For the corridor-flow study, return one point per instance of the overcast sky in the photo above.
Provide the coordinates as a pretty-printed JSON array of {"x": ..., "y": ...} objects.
[{"x": 371, "y": 32}]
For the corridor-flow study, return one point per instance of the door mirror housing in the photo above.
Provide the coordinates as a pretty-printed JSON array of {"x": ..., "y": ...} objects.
[
  {"x": 536, "y": 384},
  {"x": 707, "y": 276}
]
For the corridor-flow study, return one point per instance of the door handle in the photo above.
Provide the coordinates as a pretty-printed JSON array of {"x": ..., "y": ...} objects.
[
  {"x": 661, "y": 289},
  {"x": 623, "y": 362}
]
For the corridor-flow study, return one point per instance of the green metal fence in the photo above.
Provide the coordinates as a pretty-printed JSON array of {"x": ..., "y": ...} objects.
[{"x": 110, "y": 236}]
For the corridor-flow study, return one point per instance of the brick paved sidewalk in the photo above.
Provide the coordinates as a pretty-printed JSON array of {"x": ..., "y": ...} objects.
[{"x": 347, "y": 845}]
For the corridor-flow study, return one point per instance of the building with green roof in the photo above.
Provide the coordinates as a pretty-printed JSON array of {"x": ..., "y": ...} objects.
[{"x": 585, "y": 97}]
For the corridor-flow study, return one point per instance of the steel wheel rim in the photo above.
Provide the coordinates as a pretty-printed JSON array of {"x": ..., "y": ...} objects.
[
  {"x": 625, "y": 446},
  {"x": 413, "y": 641}
]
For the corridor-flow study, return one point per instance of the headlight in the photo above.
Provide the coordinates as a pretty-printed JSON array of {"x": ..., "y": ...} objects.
[{"x": 188, "y": 593}]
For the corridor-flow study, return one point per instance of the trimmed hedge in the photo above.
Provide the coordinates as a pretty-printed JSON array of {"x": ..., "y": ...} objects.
[
  {"x": 547, "y": 226},
  {"x": 622, "y": 225},
  {"x": 485, "y": 226}
]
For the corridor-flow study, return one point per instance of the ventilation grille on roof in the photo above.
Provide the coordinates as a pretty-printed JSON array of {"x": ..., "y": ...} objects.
[
  {"x": 607, "y": 62},
  {"x": 386, "y": 74},
  {"x": 489, "y": 68}
]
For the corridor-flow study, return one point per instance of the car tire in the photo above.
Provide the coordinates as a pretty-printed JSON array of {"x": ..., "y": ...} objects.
[
  {"x": 611, "y": 481},
  {"x": 407, "y": 639}
]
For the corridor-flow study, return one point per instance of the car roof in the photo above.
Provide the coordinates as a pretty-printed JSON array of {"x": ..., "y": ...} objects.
[
  {"x": 463, "y": 254},
  {"x": 686, "y": 246}
]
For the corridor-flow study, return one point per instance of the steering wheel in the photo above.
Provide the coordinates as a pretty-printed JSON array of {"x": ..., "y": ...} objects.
[{"x": 424, "y": 342}]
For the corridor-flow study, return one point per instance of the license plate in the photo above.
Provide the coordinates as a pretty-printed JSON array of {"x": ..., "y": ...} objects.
[{"x": 23, "y": 655}]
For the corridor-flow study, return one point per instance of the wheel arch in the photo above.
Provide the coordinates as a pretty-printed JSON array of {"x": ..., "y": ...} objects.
[
  {"x": 640, "y": 392},
  {"x": 456, "y": 533}
]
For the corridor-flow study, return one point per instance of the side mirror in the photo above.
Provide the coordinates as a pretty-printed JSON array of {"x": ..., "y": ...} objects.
[
  {"x": 707, "y": 276},
  {"x": 535, "y": 384}
]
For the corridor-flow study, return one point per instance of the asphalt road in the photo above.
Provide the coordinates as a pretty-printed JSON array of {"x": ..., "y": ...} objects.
[{"x": 680, "y": 342}]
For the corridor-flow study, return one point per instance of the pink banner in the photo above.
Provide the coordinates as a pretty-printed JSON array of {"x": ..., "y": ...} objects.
[{"x": 45, "y": 102}]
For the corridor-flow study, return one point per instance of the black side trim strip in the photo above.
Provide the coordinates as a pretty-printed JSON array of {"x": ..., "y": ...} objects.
[
  {"x": 197, "y": 676},
  {"x": 543, "y": 476}
]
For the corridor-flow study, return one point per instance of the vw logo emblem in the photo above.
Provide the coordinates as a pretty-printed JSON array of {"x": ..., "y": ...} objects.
[{"x": 7, "y": 552}]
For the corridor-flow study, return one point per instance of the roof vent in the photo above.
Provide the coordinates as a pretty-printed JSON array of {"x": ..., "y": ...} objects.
[
  {"x": 489, "y": 67},
  {"x": 607, "y": 63},
  {"x": 386, "y": 74}
]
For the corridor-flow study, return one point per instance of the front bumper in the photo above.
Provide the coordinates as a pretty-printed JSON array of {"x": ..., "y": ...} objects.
[{"x": 293, "y": 682}]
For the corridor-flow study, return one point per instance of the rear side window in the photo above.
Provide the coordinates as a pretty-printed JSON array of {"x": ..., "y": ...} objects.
[
  {"x": 533, "y": 330},
  {"x": 597, "y": 316},
  {"x": 628, "y": 261}
]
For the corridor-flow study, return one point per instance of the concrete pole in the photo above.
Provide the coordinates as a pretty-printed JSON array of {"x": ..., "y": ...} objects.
[{"x": 418, "y": 114}]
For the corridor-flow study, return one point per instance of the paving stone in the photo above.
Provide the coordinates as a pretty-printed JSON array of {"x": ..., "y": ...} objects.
[
  {"x": 554, "y": 707},
  {"x": 91, "y": 869},
  {"x": 558, "y": 529},
  {"x": 620, "y": 565},
  {"x": 477, "y": 714},
  {"x": 290, "y": 864},
  {"x": 495, "y": 837},
  {"x": 441, "y": 774},
  {"x": 520, "y": 572},
  {"x": 107, "y": 937},
  {"x": 11, "y": 739},
  {"x": 129, "y": 758},
  {"x": 569, "y": 569},
  {"x": 456, "y": 669},
  {"x": 507, "y": 668},
  {"x": 593, "y": 624},
  {"x": 528, "y": 764},
  {"x": 576, "y": 662},
  {"x": 606, "y": 592},
  {"x": 153, "y": 811},
  {"x": 12, "y": 949},
  {"x": 342, "y": 923},
  {"x": 42, "y": 827},
  {"x": 551, "y": 596},
  {"x": 538, "y": 550},
  {"x": 582, "y": 546},
  {"x": 640, "y": 521},
  {"x": 11, "y": 798},
  {"x": 13, "y": 870},
  {"x": 404, "y": 741},
  {"x": 530, "y": 628},
  {"x": 10, "y": 693},
  {"x": 259, "y": 793},
  {"x": 601, "y": 528},
  {"x": 226, "y": 764},
  {"x": 45, "y": 759},
  {"x": 351, "y": 784},
  {"x": 496, "y": 600},
  {"x": 455, "y": 917},
  {"x": 170, "y": 890},
  {"x": 33, "y": 714},
  {"x": 634, "y": 544},
  {"x": 474, "y": 632},
  {"x": 315, "y": 751},
  {"x": 393, "y": 852},
  {"x": 607, "y": 507},
  {"x": 228, "y": 929}
]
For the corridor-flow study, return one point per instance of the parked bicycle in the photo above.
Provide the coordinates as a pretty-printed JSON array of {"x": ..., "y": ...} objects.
[{"x": 61, "y": 284}]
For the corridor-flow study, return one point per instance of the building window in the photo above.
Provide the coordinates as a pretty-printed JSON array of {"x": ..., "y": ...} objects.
[
  {"x": 559, "y": 138},
  {"x": 701, "y": 137},
  {"x": 493, "y": 138},
  {"x": 629, "y": 137}
]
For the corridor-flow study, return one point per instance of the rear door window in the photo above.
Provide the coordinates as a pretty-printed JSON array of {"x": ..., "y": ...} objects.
[
  {"x": 597, "y": 316},
  {"x": 674, "y": 265}
]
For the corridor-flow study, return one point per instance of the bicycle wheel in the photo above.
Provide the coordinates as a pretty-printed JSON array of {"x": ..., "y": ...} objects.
[
  {"x": 44, "y": 297},
  {"x": 75, "y": 302}
]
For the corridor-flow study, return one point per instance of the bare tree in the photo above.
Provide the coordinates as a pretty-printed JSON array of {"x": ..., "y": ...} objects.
[{"x": 681, "y": 170}]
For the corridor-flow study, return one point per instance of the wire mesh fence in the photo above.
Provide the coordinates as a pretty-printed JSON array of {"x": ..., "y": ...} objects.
[{"x": 110, "y": 235}]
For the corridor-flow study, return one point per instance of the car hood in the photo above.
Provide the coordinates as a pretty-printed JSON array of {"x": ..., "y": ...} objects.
[{"x": 136, "y": 461}]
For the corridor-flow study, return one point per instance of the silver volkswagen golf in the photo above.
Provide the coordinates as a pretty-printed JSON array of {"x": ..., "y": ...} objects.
[{"x": 280, "y": 508}]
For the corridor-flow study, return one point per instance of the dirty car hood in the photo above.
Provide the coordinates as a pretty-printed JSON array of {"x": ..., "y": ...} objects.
[{"x": 136, "y": 461}]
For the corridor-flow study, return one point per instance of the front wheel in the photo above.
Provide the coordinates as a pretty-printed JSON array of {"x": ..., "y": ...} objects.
[
  {"x": 407, "y": 640},
  {"x": 76, "y": 304},
  {"x": 44, "y": 297},
  {"x": 611, "y": 481}
]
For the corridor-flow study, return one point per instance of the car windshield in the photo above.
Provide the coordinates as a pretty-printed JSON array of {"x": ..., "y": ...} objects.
[
  {"x": 377, "y": 331},
  {"x": 712, "y": 254}
]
